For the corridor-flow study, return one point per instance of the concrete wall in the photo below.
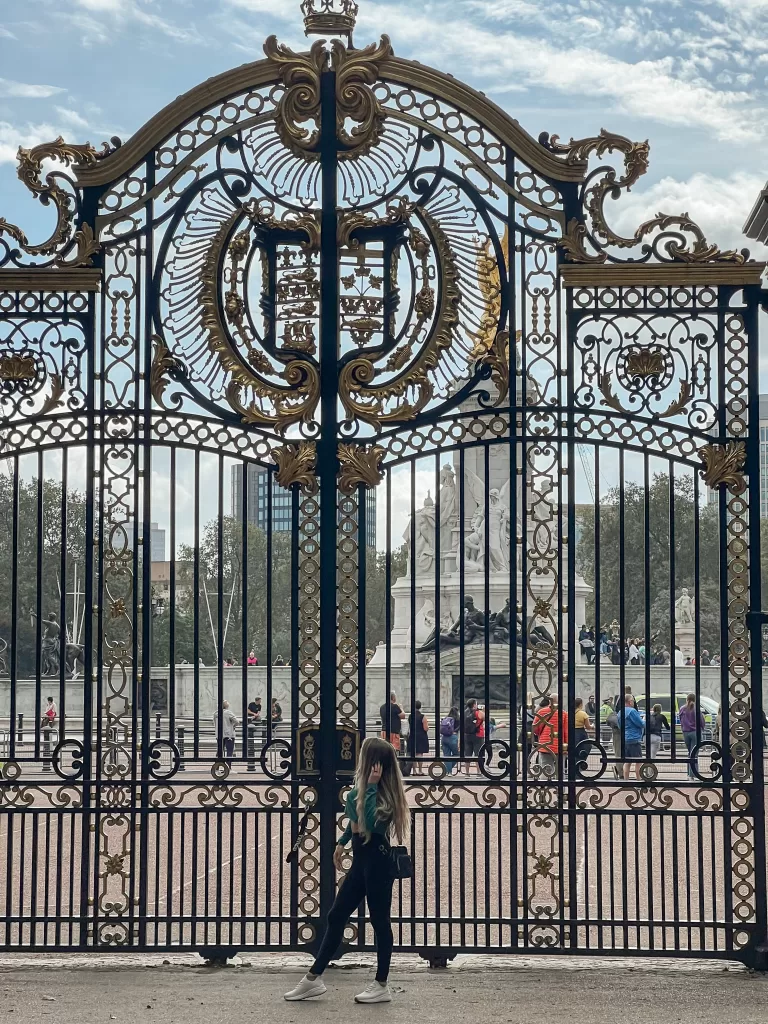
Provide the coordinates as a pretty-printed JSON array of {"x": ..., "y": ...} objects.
[{"x": 376, "y": 679}]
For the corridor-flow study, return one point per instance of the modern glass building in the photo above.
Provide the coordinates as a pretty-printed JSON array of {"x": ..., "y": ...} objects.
[{"x": 257, "y": 481}]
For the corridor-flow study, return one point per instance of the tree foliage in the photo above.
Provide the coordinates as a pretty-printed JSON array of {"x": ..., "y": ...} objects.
[{"x": 665, "y": 534}]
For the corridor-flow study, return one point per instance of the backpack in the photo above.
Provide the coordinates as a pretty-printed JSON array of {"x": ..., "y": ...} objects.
[
  {"x": 447, "y": 727},
  {"x": 470, "y": 723}
]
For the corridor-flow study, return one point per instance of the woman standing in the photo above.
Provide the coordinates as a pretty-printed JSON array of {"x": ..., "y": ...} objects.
[
  {"x": 418, "y": 736},
  {"x": 657, "y": 723},
  {"x": 689, "y": 717},
  {"x": 449, "y": 739},
  {"x": 376, "y": 807}
]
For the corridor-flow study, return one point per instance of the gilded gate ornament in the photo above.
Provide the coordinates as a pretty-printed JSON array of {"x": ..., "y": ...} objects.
[
  {"x": 296, "y": 464},
  {"x": 360, "y": 464},
  {"x": 724, "y": 465},
  {"x": 672, "y": 241},
  {"x": 29, "y": 172}
]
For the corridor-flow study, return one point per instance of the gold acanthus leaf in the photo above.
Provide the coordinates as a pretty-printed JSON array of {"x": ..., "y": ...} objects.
[
  {"x": 30, "y": 172},
  {"x": 360, "y": 464},
  {"x": 724, "y": 465},
  {"x": 164, "y": 366},
  {"x": 296, "y": 464},
  {"x": 676, "y": 247},
  {"x": 357, "y": 71}
]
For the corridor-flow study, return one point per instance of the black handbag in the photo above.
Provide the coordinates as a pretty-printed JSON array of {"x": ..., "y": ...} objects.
[{"x": 402, "y": 865}]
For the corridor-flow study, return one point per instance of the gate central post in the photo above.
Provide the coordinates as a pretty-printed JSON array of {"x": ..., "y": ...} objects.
[{"x": 327, "y": 470}]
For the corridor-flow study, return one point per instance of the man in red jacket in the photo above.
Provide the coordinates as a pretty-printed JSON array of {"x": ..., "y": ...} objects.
[{"x": 550, "y": 729}]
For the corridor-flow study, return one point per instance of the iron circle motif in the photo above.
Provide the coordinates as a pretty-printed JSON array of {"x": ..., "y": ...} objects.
[
  {"x": 276, "y": 759},
  {"x": 715, "y": 761},
  {"x": 77, "y": 763},
  {"x": 581, "y": 760},
  {"x": 157, "y": 769},
  {"x": 502, "y": 767}
]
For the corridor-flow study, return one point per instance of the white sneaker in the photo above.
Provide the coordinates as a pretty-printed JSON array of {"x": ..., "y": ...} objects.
[
  {"x": 307, "y": 988},
  {"x": 375, "y": 993}
]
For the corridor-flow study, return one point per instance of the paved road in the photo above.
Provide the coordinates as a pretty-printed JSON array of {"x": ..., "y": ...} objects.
[{"x": 556, "y": 991}]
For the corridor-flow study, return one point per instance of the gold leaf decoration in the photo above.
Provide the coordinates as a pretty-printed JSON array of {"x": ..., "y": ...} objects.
[
  {"x": 605, "y": 383},
  {"x": 412, "y": 388},
  {"x": 30, "y": 171},
  {"x": 724, "y": 465},
  {"x": 164, "y": 366},
  {"x": 16, "y": 367},
  {"x": 671, "y": 231},
  {"x": 356, "y": 72},
  {"x": 360, "y": 464},
  {"x": 296, "y": 464},
  {"x": 645, "y": 363}
]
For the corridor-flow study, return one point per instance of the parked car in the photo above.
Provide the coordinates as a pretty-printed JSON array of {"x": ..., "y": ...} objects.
[{"x": 707, "y": 705}]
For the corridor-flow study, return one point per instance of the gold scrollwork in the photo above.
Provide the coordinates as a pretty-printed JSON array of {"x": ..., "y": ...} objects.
[
  {"x": 413, "y": 388},
  {"x": 30, "y": 173},
  {"x": 673, "y": 228},
  {"x": 356, "y": 73},
  {"x": 291, "y": 403},
  {"x": 164, "y": 366},
  {"x": 724, "y": 464},
  {"x": 296, "y": 464},
  {"x": 360, "y": 464},
  {"x": 605, "y": 384}
]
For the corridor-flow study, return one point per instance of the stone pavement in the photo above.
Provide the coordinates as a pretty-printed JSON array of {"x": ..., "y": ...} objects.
[{"x": 497, "y": 990}]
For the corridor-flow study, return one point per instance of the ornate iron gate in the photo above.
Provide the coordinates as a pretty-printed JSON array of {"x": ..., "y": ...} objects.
[{"x": 314, "y": 278}]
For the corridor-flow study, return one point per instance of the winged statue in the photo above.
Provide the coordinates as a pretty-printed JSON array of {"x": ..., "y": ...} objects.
[{"x": 492, "y": 519}]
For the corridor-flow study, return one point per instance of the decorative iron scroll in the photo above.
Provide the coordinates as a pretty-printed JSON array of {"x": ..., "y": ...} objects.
[
  {"x": 666, "y": 237},
  {"x": 51, "y": 191}
]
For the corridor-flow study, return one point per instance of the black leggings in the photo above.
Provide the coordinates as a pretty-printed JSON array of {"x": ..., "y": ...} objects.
[{"x": 369, "y": 878}]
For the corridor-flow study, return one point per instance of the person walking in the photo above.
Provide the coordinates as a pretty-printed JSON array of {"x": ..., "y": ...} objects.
[
  {"x": 550, "y": 726},
  {"x": 228, "y": 726},
  {"x": 474, "y": 732},
  {"x": 690, "y": 717},
  {"x": 633, "y": 727},
  {"x": 391, "y": 716},
  {"x": 587, "y": 644},
  {"x": 582, "y": 727},
  {"x": 449, "y": 739},
  {"x": 376, "y": 808},
  {"x": 418, "y": 736},
  {"x": 657, "y": 723}
]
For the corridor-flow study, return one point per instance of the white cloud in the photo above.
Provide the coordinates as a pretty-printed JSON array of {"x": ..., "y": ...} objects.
[
  {"x": 5, "y": 33},
  {"x": 666, "y": 90},
  {"x": 71, "y": 117},
  {"x": 718, "y": 205},
  {"x": 120, "y": 14},
  {"x": 21, "y": 90},
  {"x": 11, "y": 137}
]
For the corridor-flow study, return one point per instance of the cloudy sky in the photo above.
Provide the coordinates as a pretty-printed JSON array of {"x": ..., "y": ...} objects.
[{"x": 689, "y": 75}]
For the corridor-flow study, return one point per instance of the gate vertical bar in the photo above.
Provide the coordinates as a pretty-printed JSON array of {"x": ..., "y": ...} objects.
[
  {"x": 327, "y": 467},
  {"x": 757, "y": 797}
]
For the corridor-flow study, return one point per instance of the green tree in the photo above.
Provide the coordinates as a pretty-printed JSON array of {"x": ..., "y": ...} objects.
[{"x": 667, "y": 535}]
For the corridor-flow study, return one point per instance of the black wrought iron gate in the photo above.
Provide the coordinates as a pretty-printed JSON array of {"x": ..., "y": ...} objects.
[{"x": 332, "y": 384}]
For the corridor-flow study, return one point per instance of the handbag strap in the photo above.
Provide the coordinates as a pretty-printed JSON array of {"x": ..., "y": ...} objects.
[{"x": 300, "y": 837}]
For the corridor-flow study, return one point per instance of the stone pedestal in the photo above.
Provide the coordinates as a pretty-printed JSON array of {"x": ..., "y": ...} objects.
[
  {"x": 685, "y": 638},
  {"x": 421, "y": 594}
]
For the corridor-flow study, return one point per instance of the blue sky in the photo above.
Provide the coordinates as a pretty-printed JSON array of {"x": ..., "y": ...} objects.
[{"x": 690, "y": 75}]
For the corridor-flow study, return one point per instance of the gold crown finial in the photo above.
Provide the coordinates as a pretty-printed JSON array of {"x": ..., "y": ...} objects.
[{"x": 329, "y": 17}]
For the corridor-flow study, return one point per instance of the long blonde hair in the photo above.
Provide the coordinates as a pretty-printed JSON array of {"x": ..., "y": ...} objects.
[{"x": 391, "y": 803}]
